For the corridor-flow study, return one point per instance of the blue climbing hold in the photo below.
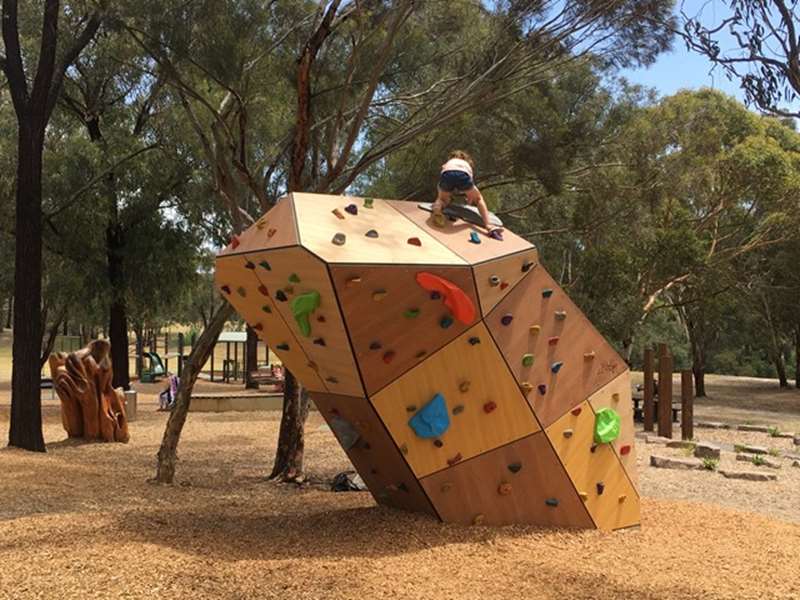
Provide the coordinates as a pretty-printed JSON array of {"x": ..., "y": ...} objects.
[
  {"x": 556, "y": 366},
  {"x": 547, "y": 293},
  {"x": 435, "y": 295},
  {"x": 474, "y": 237},
  {"x": 446, "y": 322},
  {"x": 432, "y": 420}
]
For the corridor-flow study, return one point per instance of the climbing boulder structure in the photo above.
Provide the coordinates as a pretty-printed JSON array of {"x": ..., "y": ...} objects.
[{"x": 458, "y": 376}]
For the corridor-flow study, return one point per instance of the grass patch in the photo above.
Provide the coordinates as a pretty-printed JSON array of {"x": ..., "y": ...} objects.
[
  {"x": 774, "y": 452},
  {"x": 758, "y": 460},
  {"x": 774, "y": 431},
  {"x": 710, "y": 464},
  {"x": 739, "y": 447}
]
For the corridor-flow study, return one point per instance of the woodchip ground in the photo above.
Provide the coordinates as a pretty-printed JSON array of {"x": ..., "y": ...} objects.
[{"x": 82, "y": 521}]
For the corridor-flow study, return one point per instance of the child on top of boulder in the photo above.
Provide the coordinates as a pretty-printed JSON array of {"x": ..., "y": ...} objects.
[{"x": 457, "y": 177}]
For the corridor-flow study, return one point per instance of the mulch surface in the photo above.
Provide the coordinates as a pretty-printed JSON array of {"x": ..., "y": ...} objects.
[{"x": 82, "y": 521}]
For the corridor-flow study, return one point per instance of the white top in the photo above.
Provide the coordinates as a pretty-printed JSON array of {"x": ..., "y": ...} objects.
[{"x": 457, "y": 164}]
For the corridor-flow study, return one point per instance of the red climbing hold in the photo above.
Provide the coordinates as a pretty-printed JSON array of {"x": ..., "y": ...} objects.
[
  {"x": 456, "y": 459},
  {"x": 553, "y": 341},
  {"x": 504, "y": 285},
  {"x": 226, "y": 289},
  {"x": 415, "y": 241},
  {"x": 388, "y": 357},
  {"x": 489, "y": 407},
  {"x": 576, "y": 411},
  {"x": 263, "y": 289},
  {"x": 234, "y": 242},
  {"x": 626, "y": 449},
  {"x": 454, "y": 297},
  {"x": 258, "y": 327}
]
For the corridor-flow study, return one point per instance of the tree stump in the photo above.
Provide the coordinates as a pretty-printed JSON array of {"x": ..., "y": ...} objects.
[{"x": 90, "y": 407}]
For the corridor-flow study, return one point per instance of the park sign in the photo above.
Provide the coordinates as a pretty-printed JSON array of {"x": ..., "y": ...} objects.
[{"x": 457, "y": 375}]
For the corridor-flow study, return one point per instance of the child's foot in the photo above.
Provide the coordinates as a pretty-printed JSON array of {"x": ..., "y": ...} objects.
[{"x": 438, "y": 219}]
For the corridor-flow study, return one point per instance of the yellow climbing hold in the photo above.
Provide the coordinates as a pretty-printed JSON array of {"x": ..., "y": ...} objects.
[
  {"x": 463, "y": 387},
  {"x": 379, "y": 295},
  {"x": 535, "y": 329}
]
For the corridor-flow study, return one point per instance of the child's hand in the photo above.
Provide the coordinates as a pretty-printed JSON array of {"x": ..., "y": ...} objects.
[{"x": 496, "y": 234}]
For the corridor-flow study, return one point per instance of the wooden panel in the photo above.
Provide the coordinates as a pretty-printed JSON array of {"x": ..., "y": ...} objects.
[
  {"x": 334, "y": 359},
  {"x": 618, "y": 395},
  {"x": 485, "y": 487},
  {"x": 275, "y": 229},
  {"x": 374, "y": 455},
  {"x": 589, "y": 362},
  {"x": 455, "y": 235},
  {"x": 495, "y": 279},
  {"x": 317, "y": 225},
  {"x": 379, "y": 320},
  {"x": 270, "y": 327},
  {"x": 609, "y": 495},
  {"x": 475, "y": 428}
]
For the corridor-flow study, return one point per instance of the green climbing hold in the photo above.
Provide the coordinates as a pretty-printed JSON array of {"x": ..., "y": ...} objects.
[
  {"x": 294, "y": 278},
  {"x": 241, "y": 291},
  {"x": 267, "y": 309},
  {"x": 411, "y": 313},
  {"x": 606, "y": 426},
  {"x": 283, "y": 346},
  {"x": 368, "y": 203},
  {"x": 302, "y": 307},
  {"x": 527, "y": 360},
  {"x": 265, "y": 265}
]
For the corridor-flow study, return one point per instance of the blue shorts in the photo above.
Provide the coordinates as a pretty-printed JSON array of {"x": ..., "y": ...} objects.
[{"x": 455, "y": 181}]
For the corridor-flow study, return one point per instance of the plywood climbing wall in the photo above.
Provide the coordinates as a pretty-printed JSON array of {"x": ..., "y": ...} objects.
[
  {"x": 594, "y": 469},
  {"x": 552, "y": 348},
  {"x": 394, "y": 323},
  {"x": 458, "y": 377}
]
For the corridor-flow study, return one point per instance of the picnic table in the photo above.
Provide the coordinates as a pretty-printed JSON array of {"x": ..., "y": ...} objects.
[{"x": 638, "y": 409}]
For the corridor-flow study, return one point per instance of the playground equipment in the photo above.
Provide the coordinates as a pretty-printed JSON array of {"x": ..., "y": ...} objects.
[
  {"x": 90, "y": 407},
  {"x": 456, "y": 374}
]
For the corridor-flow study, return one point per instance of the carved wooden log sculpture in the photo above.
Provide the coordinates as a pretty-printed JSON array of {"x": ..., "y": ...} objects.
[{"x": 90, "y": 407}]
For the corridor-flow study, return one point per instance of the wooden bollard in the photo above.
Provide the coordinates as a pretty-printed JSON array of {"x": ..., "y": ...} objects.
[
  {"x": 687, "y": 405},
  {"x": 664, "y": 392},
  {"x": 647, "y": 403}
]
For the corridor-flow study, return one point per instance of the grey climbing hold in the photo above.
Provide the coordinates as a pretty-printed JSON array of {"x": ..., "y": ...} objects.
[
  {"x": 551, "y": 502},
  {"x": 371, "y": 233},
  {"x": 474, "y": 340},
  {"x": 339, "y": 239},
  {"x": 494, "y": 281},
  {"x": 526, "y": 266},
  {"x": 568, "y": 433},
  {"x": 344, "y": 431},
  {"x": 561, "y": 315},
  {"x": 515, "y": 467}
]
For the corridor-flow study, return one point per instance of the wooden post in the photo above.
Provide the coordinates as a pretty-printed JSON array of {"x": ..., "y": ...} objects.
[
  {"x": 235, "y": 361},
  {"x": 687, "y": 405},
  {"x": 227, "y": 364},
  {"x": 180, "y": 353},
  {"x": 647, "y": 400},
  {"x": 664, "y": 392},
  {"x": 213, "y": 351},
  {"x": 139, "y": 350},
  {"x": 166, "y": 351}
]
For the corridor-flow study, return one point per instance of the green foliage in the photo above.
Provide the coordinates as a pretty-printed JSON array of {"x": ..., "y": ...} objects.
[
  {"x": 710, "y": 464},
  {"x": 758, "y": 460}
]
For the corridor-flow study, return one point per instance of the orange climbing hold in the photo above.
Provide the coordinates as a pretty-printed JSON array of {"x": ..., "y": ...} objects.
[{"x": 454, "y": 297}]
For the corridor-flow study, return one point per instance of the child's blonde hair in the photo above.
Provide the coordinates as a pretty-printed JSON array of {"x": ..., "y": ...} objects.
[{"x": 463, "y": 156}]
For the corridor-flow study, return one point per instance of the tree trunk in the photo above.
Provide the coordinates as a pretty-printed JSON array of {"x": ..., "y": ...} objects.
[
  {"x": 50, "y": 341},
  {"x": 118, "y": 314},
  {"x": 251, "y": 359},
  {"x": 168, "y": 452},
  {"x": 291, "y": 438},
  {"x": 25, "y": 430},
  {"x": 780, "y": 367},
  {"x": 10, "y": 313},
  {"x": 797, "y": 356}
]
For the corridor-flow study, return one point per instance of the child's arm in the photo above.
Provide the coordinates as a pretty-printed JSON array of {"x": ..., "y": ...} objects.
[{"x": 476, "y": 198}]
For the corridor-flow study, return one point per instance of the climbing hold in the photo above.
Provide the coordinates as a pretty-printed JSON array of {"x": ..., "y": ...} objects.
[
  {"x": 457, "y": 458},
  {"x": 474, "y": 237},
  {"x": 615, "y": 397},
  {"x": 411, "y": 313},
  {"x": 446, "y": 487},
  {"x": 601, "y": 487},
  {"x": 626, "y": 449},
  {"x": 458, "y": 409},
  {"x": 551, "y": 502},
  {"x": 556, "y": 366},
  {"x": 320, "y": 342},
  {"x": 454, "y": 297},
  {"x": 435, "y": 295},
  {"x": 331, "y": 379},
  {"x": 589, "y": 355},
  {"x": 344, "y": 431},
  {"x": 584, "y": 496},
  {"x": 338, "y": 213},
  {"x": 568, "y": 433},
  {"x": 438, "y": 443},
  {"x": 234, "y": 242},
  {"x": 542, "y": 389},
  {"x": 368, "y": 203},
  {"x": 226, "y": 289},
  {"x": 432, "y": 420},
  {"x": 438, "y": 220},
  {"x": 321, "y": 319},
  {"x": 258, "y": 327},
  {"x": 352, "y": 281},
  {"x": 352, "y": 209},
  {"x": 267, "y": 309},
  {"x": 526, "y": 387},
  {"x": 504, "y": 285},
  {"x": 371, "y": 234},
  {"x": 283, "y": 346},
  {"x": 526, "y": 266},
  {"x": 561, "y": 315},
  {"x": 415, "y": 241},
  {"x": 494, "y": 280},
  {"x": 249, "y": 265},
  {"x": 265, "y": 265},
  {"x": 593, "y": 448},
  {"x": 289, "y": 289},
  {"x": 496, "y": 234},
  {"x": 515, "y": 467},
  {"x": 445, "y": 322},
  {"x": 477, "y": 519},
  {"x": 261, "y": 223},
  {"x": 534, "y": 329},
  {"x": 294, "y": 278},
  {"x": 606, "y": 425},
  {"x": 527, "y": 360},
  {"x": 622, "y": 498},
  {"x": 241, "y": 291},
  {"x": 270, "y": 232},
  {"x": 404, "y": 449},
  {"x": 379, "y": 295},
  {"x": 489, "y": 407},
  {"x": 280, "y": 295},
  {"x": 420, "y": 354},
  {"x": 506, "y": 320},
  {"x": 546, "y": 293},
  {"x": 552, "y": 341},
  {"x": 302, "y": 307},
  {"x": 504, "y": 489},
  {"x": 463, "y": 387},
  {"x": 411, "y": 408},
  {"x": 388, "y": 357},
  {"x": 263, "y": 289},
  {"x": 339, "y": 239},
  {"x": 576, "y": 411},
  {"x": 474, "y": 341},
  {"x": 375, "y": 346}
]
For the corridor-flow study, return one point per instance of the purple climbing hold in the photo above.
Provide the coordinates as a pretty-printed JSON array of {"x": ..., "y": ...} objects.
[
  {"x": 601, "y": 487},
  {"x": 474, "y": 237},
  {"x": 556, "y": 366},
  {"x": 496, "y": 234},
  {"x": 435, "y": 295},
  {"x": 542, "y": 389},
  {"x": 375, "y": 346},
  {"x": 320, "y": 342},
  {"x": 474, "y": 341},
  {"x": 249, "y": 265},
  {"x": 506, "y": 320},
  {"x": 352, "y": 209}
]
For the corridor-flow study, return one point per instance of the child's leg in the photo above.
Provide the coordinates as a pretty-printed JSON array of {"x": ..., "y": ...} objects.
[
  {"x": 475, "y": 198},
  {"x": 442, "y": 200}
]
